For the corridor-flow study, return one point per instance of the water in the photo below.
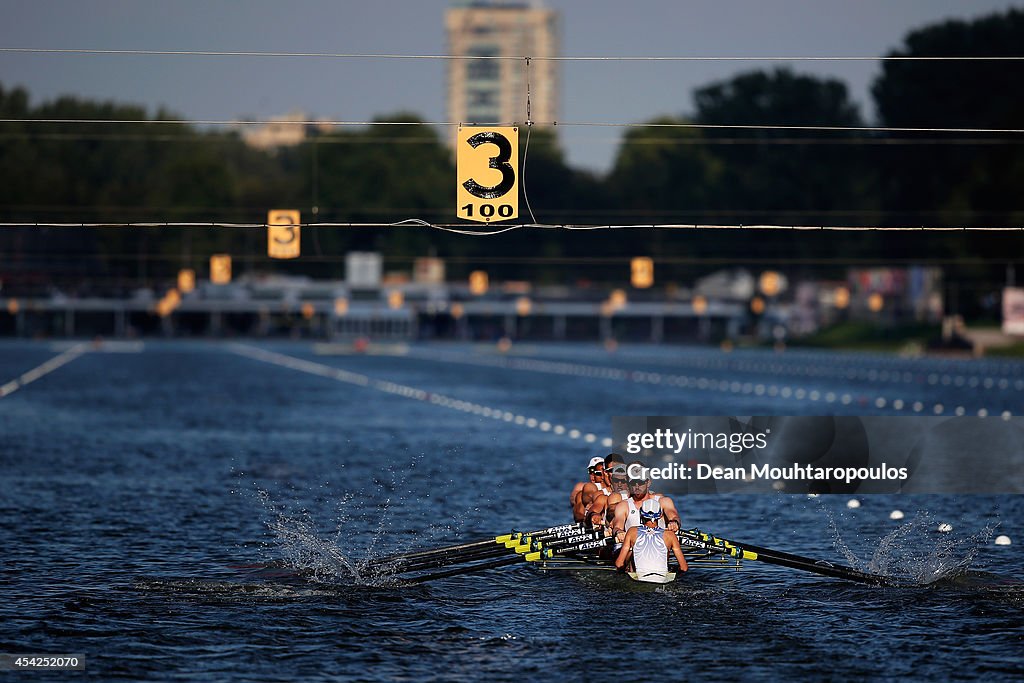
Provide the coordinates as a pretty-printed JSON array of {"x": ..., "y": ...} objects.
[{"x": 191, "y": 512}]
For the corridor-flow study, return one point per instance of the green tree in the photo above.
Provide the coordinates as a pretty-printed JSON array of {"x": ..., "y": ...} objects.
[
  {"x": 784, "y": 176},
  {"x": 956, "y": 178},
  {"x": 662, "y": 173}
]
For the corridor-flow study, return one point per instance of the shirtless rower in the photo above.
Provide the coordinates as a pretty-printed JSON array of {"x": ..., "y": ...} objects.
[
  {"x": 595, "y": 472},
  {"x": 627, "y": 512},
  {"x": 648, "y": 545},
  {"x": 599, "y": 503}
]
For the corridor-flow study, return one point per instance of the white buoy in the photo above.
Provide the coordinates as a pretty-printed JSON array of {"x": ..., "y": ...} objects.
[
  {"x": 812, "y": 495},
  {"x": 1002, "y": 540},
  {"x": 853, "y": 503},
  {"x": 945, "y": 528},
  {"x": 896, "y": 514}
]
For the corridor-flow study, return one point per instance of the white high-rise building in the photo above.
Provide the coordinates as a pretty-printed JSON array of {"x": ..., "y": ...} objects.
[{"x": 494, "y": 90}]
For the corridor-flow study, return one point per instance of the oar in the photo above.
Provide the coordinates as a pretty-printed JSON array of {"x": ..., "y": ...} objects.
[
  {"x": 767, "y": 555},
  {"x": 500, "y": 545},
  {"x": 579, "y": 567},
  {"x": 464, "y": 570},
  {"x": 538, "y": 556},
  {"x": 528, "y": 544},
  {"x": 488, "y": 542}
]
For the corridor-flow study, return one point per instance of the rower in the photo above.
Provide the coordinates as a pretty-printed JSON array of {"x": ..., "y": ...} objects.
[
  {"x": 648, "y": 544},
  {"x": 597, "y": 511},
  {"x": 595, "y": 473},
  {"x": 627, "y": 512},
  {"x": 613, "y": 462}
]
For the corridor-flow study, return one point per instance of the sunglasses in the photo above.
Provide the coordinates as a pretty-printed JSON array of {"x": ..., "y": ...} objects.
[{"x": 637, "y": 482}]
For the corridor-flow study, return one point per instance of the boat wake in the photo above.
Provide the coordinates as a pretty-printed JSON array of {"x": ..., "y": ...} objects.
[
  {"x": 298, "y": 540},
  {"x": 300, "y": 563},
  {"x": 205, "y": 590},
  {"x": 916, "y": 554},
  {"x": 300, "y": 545}
]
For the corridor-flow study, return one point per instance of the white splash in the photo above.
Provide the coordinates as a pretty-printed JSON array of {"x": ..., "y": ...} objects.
[{"x": 914, "y": 552}]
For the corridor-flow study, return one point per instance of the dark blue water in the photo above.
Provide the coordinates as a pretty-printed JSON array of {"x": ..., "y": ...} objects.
[{"x": 176, "y": 512}]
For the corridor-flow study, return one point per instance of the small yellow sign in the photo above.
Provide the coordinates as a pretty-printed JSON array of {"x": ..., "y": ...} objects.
[
  {"x": 770, "y": 283},
  {"x": 168, "y": 303},
  {"x": 283, "y": 233},
  {"x": 876, "y": 302},
  {"x": 186, "y": 280},
  {"x": 478, "y": 282},
  {"x": 842, "y": 297},
  {"x": 220, "y": 269},
  {"x": 487, "y": 186},
  {"x": 642, "y": 272}
]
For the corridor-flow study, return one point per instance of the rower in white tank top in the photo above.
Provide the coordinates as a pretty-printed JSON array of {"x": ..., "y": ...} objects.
[
  {"x": 650, "y": 554},
  {"x": 647, "y": 547},
  {"x": 633, "y": 517}
]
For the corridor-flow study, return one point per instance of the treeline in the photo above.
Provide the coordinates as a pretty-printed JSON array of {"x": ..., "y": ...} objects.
[{"x": 175, "y": 172}]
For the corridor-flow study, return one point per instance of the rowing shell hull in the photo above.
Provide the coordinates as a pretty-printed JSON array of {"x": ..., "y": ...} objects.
[
  {"x": 626, "y": 582},
  {"x": 654, "y": 577},
  {"x": 607, "y": 577}
]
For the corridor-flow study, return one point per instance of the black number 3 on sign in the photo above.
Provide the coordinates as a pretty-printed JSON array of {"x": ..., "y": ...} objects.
[
  {"x": 499, "y": 162},
  {"x": 487, "y": 171}
]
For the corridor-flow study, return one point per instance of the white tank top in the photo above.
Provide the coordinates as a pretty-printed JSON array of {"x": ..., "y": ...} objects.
[
  {"x": 650, "y": 554},
  {"x": 633, "y": 518}
]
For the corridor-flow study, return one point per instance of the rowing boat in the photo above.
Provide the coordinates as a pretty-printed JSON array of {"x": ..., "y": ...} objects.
[
  {"x": 594, "y": 563},
  {"x": 575, "y": 547}
]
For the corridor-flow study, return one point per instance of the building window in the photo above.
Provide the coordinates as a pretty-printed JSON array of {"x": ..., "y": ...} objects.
[
  {"x": 482, "y": 98},
  {"x": 482, "y": 70},
  {"x": 483, "y": 50},
  {"x": 483, "y": 116}
]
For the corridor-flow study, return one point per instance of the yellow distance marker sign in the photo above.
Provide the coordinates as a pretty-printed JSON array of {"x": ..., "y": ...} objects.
[
  {"x": 186, "y": 280},
  {"x": 283, "y": 233},
  {"x": 478, "y": 282},
  {"x": 220, "y": 269},
  {"x": 642, "y": 272},
  {"x": 488, "y": 173}
]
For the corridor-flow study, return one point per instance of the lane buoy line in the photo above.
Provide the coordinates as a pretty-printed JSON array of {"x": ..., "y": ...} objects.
[
  {"x": 871, "y": 375},
  {"x": 42, "y": 370},
  {"x": 103, "y": 346},
  {"x": 405, "y": 391},
  {"x": 771, "y": 390}
]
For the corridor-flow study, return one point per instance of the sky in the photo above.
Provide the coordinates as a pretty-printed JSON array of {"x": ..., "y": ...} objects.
[{"x": 260, "y": 87}]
